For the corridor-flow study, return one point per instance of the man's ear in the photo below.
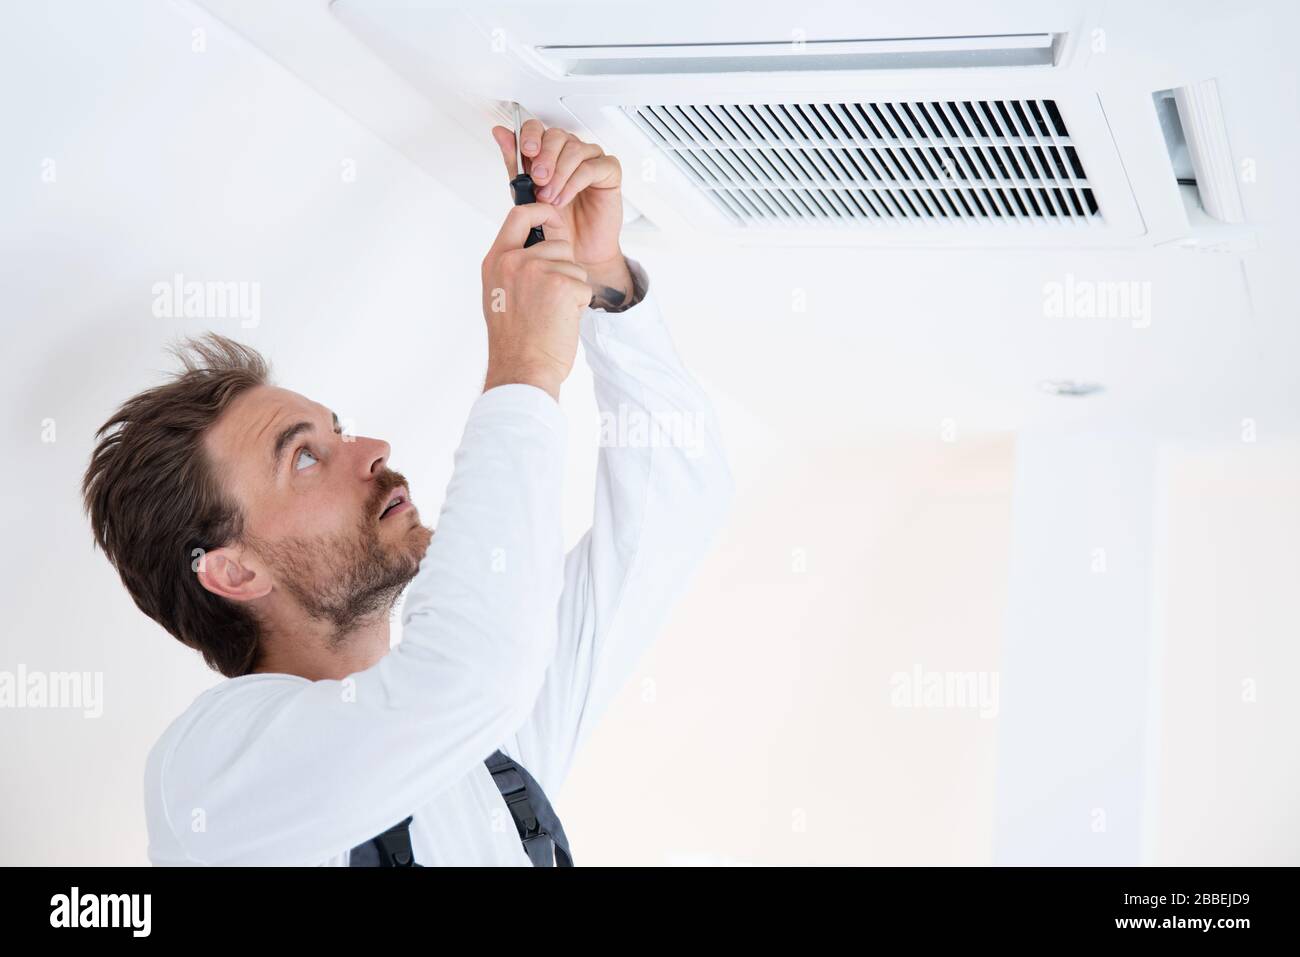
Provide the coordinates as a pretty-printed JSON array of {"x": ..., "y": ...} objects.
[{"x": 224, "y": 572}]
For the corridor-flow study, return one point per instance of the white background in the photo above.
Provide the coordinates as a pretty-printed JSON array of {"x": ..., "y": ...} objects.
[{"x": 760, "y": 729}]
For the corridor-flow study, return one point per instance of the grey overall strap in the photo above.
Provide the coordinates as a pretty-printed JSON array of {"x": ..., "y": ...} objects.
[
  {"x": 538, "y": 826},
  {"x": 390, "y": 849},
  {"x": 539, "y": 829}
]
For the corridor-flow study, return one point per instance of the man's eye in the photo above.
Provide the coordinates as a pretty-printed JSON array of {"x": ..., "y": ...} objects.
[{"x": 299, "y": 462}]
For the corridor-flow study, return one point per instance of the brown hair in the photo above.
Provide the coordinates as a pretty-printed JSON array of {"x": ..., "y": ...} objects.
[{"x": 153, "y": 499}]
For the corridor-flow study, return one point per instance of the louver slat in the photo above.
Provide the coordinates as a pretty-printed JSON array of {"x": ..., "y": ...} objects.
[{"x": 850, "y": 163}]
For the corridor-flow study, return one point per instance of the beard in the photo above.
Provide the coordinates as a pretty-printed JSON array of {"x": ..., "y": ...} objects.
[{"x": 347, "y": 578}]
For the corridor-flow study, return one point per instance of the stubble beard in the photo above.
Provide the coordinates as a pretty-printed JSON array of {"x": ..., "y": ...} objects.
[{"x": 345, "y": 580}]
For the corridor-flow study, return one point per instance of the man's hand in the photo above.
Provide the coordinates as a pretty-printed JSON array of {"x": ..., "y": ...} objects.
[
  {"x": 583, "y": 185},
  {"x": 532, "y": 300}
]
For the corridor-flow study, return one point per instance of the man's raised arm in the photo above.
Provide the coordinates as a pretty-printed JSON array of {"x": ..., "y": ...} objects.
[{"x": 662, "y": 490}]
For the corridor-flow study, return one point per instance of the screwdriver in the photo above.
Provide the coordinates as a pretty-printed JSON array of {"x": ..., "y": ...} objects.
[{"x": 522, "y": 186}]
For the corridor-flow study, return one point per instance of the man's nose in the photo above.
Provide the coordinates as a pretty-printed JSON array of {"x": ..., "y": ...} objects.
[{"x": 372, "y": 456}]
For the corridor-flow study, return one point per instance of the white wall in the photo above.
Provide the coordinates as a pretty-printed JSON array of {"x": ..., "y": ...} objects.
[
  {"x": 762, "y": 727},
  {"x": 1076, "y": 660},
  {"x": 1224, "y": 777}
]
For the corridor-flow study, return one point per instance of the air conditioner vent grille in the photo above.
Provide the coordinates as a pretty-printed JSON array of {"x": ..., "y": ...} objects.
[{"x": 986, "y": 161}]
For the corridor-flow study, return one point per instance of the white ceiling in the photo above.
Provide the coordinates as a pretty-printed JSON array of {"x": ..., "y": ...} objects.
[{"x": 893, "y": 336}]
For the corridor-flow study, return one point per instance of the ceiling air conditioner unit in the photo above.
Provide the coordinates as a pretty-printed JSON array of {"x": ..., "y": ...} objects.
[
  {"x": 948, "y": 125},
  {"x": 953, "y": 139}
]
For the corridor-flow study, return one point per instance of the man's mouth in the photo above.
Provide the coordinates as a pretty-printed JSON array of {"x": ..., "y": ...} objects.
[{"x": 397, "y": 503}]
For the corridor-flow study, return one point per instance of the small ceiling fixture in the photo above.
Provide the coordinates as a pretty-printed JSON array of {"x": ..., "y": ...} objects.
[{"x": 1070, "y": 387}]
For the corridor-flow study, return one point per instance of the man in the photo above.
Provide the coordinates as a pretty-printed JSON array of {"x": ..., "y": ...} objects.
[{"x": 243, "y": 521}]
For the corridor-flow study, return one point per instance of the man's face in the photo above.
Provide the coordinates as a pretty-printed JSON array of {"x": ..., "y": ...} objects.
[{"x": 316, "y": 505}]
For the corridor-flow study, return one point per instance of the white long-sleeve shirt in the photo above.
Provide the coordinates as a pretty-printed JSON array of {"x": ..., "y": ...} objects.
[{"x": 507, "y": 642}]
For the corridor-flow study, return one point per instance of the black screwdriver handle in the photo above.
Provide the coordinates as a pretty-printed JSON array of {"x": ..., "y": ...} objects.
[{"x": 522, "y": 187}]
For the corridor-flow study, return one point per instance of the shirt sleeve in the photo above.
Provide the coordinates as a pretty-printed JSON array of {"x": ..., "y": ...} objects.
[
  {"x": 663, "y": 488},
  {"x": 291, "y": 771}
]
